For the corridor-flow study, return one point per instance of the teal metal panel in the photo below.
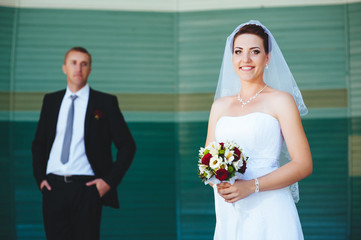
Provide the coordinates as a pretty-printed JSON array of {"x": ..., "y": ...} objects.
[
  {"x": 6, "y": 43},
  {"x": 197, "y": 214},
  {"x": 323, "y": 206},
  {"x": 27, "y": 196},
  {"x": 324, "y": 203},
  {"x": 356, "y": 208},
  {"x": 311, "y": 38},
  {"x": 132, "y": 51},
  {"x": 7, "y": 194},
  {"x": 354, "y": 12},
  {"x": 147, "y": 193},
  {"x": 354, "y": 18}
]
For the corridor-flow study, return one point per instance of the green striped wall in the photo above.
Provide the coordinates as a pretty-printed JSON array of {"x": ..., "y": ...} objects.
[
  {"x": 354, "y": 19},
  {"x": 163, "y": 67},
  {"x": 315, "y": 48},
  {"x": 7, "y": 195},
  {"x": 147, "y": 193},
  {"x": 130, "y": 49}
]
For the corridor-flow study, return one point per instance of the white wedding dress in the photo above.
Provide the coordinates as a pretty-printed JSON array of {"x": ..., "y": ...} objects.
[{"x": 268, "y": 215}]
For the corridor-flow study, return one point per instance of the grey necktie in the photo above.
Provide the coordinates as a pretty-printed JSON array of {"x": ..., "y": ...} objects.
[{"x": 68, "y": 132}]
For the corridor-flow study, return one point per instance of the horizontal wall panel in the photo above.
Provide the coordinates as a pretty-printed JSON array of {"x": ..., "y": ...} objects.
[
  {"x": 355, "y": 155},
  {"x": 356, "y": 208},
  {"x": 7, "y": 18},
  {"x": 7, "y": 195},
  {"x": 325, "y": 98},
  {"x": 314, "y": 47},
  {"x": 132, "y": 52},
  {"x": 355, "y": 58},
  {"x": 31, "y": 101},
  {"x": 322, "y": 216},
  {"x": 166, "y": 116},
  {"x": 354, "y": 20},
  {"x": 197, "y": 213}
]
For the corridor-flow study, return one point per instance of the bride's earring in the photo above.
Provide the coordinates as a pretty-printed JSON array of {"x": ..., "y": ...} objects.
[{"x": 266, "y": 66}]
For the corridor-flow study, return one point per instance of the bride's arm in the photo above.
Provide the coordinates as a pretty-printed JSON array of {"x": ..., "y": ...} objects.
[
  {"x": 213, "y": 118},
  {"x": 300, "y": 165},
  {"x": 298, "y": 168}
]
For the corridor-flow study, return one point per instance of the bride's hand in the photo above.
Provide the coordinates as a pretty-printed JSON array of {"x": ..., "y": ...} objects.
[{"x": 239, "y": 190}]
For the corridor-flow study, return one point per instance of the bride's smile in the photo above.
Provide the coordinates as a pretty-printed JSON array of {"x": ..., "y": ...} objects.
[{"x": 249, "y": 57}]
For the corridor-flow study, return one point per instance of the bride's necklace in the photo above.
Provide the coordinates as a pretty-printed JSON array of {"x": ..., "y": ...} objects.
[{"x": 251, "y": 98}]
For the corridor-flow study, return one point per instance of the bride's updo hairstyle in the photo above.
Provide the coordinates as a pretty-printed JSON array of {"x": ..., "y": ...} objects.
[{"x": 256, "y": 30}]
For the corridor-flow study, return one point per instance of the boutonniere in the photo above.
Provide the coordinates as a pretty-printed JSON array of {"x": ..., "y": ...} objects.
[{"x": 98, "y": 114}]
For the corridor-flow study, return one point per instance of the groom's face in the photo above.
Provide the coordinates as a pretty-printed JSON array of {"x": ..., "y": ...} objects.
[{"x": 77, "y": 68}]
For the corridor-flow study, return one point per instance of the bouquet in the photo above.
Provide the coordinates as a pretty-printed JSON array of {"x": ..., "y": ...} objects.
[{"x": 221, "y": 162}]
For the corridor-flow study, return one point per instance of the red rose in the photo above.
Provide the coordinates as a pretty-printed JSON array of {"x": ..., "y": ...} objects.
[
  {"x": 222, "y": 145},
  {"x": 206, "y": 158},
  {"x": 222, "y": 174},
  {"x": 243, "y": 168},
  {"x": 237, "y": 153}
]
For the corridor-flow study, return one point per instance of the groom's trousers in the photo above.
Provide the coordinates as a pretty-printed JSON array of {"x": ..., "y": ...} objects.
[{"x": 71, "y": 210}]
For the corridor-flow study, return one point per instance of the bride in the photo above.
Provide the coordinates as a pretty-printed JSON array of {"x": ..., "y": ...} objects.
[{"x": 258, "y": 106}]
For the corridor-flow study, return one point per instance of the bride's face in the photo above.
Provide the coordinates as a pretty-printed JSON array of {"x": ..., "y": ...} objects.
[{"x": 249, "y": 57}]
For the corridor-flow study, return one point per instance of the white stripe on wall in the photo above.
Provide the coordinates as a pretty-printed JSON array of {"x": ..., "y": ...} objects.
[{"x": 164, "y": 5}]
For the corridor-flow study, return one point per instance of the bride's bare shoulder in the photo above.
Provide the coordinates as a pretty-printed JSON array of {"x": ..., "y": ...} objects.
[
  {"x": 220, "y": 105},
  {"x": 280, "y": 100},
  {"x": 278, "y": 95},
  {"x": 223, "y": 102}
]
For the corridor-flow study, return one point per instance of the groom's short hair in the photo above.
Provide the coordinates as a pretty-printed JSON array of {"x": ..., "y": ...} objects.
[{"x": 78, "y": 49}]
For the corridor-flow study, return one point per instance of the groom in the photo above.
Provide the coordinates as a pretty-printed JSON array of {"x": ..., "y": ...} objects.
[{"x": 72, "y": 158}]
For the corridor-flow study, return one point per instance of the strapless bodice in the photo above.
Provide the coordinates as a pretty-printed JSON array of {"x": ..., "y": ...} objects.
[{"x": 260, "y": 137}]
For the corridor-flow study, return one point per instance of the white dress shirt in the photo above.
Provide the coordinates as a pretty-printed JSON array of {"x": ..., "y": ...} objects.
[{"x": 78, "y": 163}]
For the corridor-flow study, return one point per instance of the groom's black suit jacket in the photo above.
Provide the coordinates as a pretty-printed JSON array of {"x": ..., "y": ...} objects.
[{"x": 104, "y": 124}]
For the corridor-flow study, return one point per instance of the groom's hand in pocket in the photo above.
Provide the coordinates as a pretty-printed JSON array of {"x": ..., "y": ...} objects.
[
  {"x": 101, "y": 185},
  {"x": 43, "y": 184}
]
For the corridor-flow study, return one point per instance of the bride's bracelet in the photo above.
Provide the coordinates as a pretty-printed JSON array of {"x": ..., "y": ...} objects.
[{"x": 257, "y": 185}]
